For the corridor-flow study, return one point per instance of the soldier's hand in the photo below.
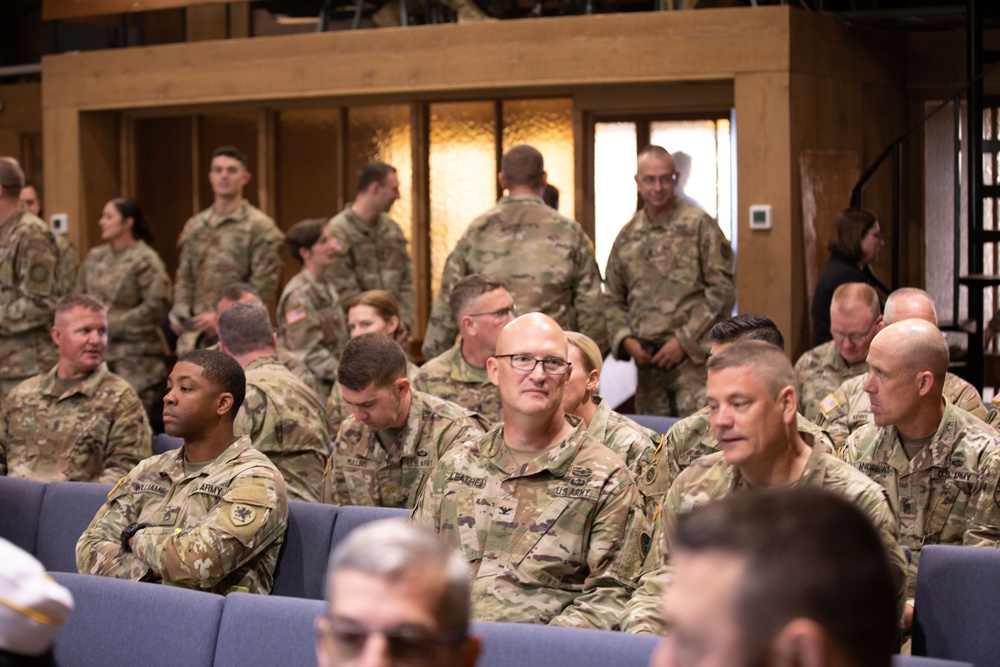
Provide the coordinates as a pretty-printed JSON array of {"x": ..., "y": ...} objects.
[
  {"x": 205, "y": 322},
  {"x": 670, "y": 354},
  {"x": 636, "y": 351},
  {"x": 176, "y": 328}
]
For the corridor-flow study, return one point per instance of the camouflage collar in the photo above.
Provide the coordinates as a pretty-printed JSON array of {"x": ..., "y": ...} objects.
[
  {"x": 176, "y": 469},
  {"x": 522, "y": 199},
  {"x": 938, "y": 453},
  {"x": 461, "y": 370},
  {"x": 599, "y": 424},
  {"x": 51, "y": 385},
  {"x": 405, "y": 446},
  {"x": 372, "y": 229},
  {"x": 560, "y": 455},
  {"x": 264, "y": 360},
  {"x": 239, "y": 215}
]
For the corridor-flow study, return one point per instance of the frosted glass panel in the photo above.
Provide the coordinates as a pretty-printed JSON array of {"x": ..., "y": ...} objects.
[
  {"x": 383, "y": 133},
  {"x": 463, "y": 174},
  {"x": 548, "y": 126},
  {"x": 614, "y": 184}
]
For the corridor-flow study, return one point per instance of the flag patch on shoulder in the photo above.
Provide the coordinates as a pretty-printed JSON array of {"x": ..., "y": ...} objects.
[{"x": 293, "y": 316}]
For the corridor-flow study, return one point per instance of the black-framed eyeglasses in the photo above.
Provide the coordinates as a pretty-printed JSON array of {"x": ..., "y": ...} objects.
[
  {"x": 527, "y": 363},
  {"x": 406, "y": 646},
  {"x": 665, "y": 179},
  {"x": 503, "y": 312}
]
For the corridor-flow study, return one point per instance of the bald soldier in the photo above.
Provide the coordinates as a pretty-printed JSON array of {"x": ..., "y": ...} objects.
[
  {"x": 848, "y": 409},
  {"x": 537, "y": 506},
  {"x": 855, "y": 314},
  {"x": 753, "y": 410},
  {"x": 939, "y": 464}
]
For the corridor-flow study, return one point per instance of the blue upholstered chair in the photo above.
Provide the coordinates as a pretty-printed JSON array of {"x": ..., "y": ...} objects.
[
  {"x": 350, "y": 517},
  {"x": 517, "y": 645},
  {"x": 659, "y": 424},
  {"x": 302, "y": 563},
  {"x": 163, "y": 443},
  {"x": 67, "y": 510},
  {"x": 21, "y": 503},
  {"x": 267, "y": 630}
]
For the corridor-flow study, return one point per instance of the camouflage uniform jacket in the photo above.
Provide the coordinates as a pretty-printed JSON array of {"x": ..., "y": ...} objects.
[
  {"x": 134, "y": 285},
  {"x": 27, "y": 295},
  {"x": 244, "y": 246},
  {"x": 819, "y": 372},
  {"x": 545, "y": 540},
  {"x": 849, "y": 408},
  {"x": 711, "y": 477},
  {"x": 633, "y": 443},
  {"x": 286, "y": 422},
  {"x": 337, "y": 410},
  {"x": 69, "y": 264},
  {"x": 669, "y": 277},
  {"x": 215, "y": 530},
  {"x": 947, "y": 494},
  {"x": 372, "y": 256},
  {"x": 691, "y": 438},
  {"x": 95, "y": 432},
  {"x": 451, "y": 377},
  {"x": 993, "y": 417},
  {"x": 362, "y": 472},
  {"x": 546, "y": 260},
  {"x": 312, "y": 326}
]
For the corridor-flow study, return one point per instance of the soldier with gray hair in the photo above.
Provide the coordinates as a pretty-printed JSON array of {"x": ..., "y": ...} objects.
[
  {"x": 401, "y": 585},
  {"x": 283, "y": 417}
]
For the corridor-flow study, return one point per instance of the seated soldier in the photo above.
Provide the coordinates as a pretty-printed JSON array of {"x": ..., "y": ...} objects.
[
  {"x": 538, "y": 506},
  {"x": 387, "y": 448},
  {"x": 78, "y": 422},
  {"x": 793, "y": 576},
  {"x": 283, "y": 417},
  {"x": 753, "y": 411},
  {"x": 481, "y": 306},
  {"x": 210, "y": 515}
]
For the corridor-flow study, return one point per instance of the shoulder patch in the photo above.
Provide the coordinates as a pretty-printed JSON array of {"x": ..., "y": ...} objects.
[
  {"x": 293, "y": 316},
  {"x": 829, "y": 404},
  {"x": 338, "y": 243},
  {"x": 111, "y": 492}
]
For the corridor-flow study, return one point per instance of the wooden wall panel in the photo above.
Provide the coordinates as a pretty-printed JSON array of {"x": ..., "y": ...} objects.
[
  {"x": 237, "y": 129},
  {"x": 21, "y": 118},
  {"x": 99, "y": 155}
]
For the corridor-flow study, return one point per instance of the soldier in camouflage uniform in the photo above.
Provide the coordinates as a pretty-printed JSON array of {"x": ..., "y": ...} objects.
[
  {"x": 311, "y": 320},
  {"x": 632, "y": 442},
  {"x": 848, "y": 409},
  {"x": 210, "y": 515},
  {"x": 481, "y": 307},
  {"x": 229, "y": 242},
  {"x": 68, "y": 264},
  {"x": 129, "y": 277},
  {"x": 670, "y": 277},
  {"x": 28, "y": 290},
  {"x": 939, "y": 464},
  {"x": 283, "y": 417},
  {"x": 752, "y": 399},
  {"x": 854, "y": 318},
  {"x": 537, "y": 506},
  {"x": 370, "y": 247},
  {"x": 545, "y": 260},
  {"x": 385, "y": 451},
  {"x": 79, "y": 421}
]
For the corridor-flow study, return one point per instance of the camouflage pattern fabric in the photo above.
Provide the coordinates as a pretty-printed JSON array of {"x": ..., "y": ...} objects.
[
  {"x": 68, "y": 266},
  {"x": 287, "y": 423},
  {"x": 451, "y": 377},
  {"x": 363, "y": 472},
  {"x": 633, "y": 443},
  {"x": 292, "y": 363},
  {"x": 243, "y": 246},
  {"x": 28, "y": 294},
  {"x": 993, "y": 416},
  {"x": 372, "y": 256},
  {"x": 709, "y": 478},
  {"x": 337, "y": 410},
  {"x": 95, "y": 432},
  {"x": 849, "y": 408},
  {"x": 818, "y": 373},
  {"x": 947, "y": 494},
  {"x": 545, "y": 540},
  {"x": 669, "y": 277},
  {"x": 546, "y": 261},
  {"x": 216, "y": 529},
  {"x": 312, "y": 326}
]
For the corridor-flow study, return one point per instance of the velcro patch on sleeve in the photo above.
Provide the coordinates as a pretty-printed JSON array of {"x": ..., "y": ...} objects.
[
  {"x": 244, "y": 511},
  {"x": 293, "y": 316}
]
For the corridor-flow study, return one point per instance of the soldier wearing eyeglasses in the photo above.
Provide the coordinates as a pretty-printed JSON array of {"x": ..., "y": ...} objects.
[
  {"x": 537, "y": 506},
  {"x": 670, "y": 277},
  {"x": 396, "y": 595}
]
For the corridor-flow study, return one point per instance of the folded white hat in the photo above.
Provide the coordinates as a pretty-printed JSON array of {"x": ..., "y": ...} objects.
[{"x": 32, "y": 605}]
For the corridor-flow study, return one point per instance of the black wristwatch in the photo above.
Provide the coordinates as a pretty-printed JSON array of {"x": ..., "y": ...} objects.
[{"x": 128, "y": 533}]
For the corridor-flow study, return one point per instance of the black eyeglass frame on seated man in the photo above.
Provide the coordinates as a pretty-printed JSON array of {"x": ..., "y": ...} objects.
[
  {"x": 527, "y": 363},
  {"x": 406, "y": 645}
]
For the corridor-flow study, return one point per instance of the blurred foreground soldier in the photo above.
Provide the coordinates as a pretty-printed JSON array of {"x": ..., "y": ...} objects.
[
  {"x": 370, "y": 249},
  {"x": 752, "y": 407},
  {"x": 68, "y": 264},
  {"x": 537, "y": 506},
  {"x": 209, "y": 516},
  {"x": 848, "y": 409},
  {"x": 28, "y": 289},
  {"x": 741, "y": 594},
  {"x": 386, "y": 450},
  {"x": 939, "y": 464},
  {"x": 228, "y": 242},
  {"x": 670, "y": 277},
  {"x": 283, "y": 417},
  {"x": 33, "y": 607},
  {"x": 855, "y": 314},
  {"x": 78, "y": 422},
  {"x": 397, "y": 595},
  {"x": 545, "y": 260},
  {"x": 481, "y": 306}
]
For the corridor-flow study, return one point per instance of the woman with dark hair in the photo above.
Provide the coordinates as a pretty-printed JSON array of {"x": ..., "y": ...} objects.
[
  {"x": 129, "y": 277},
  {"x": 855, "y": 242}
]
